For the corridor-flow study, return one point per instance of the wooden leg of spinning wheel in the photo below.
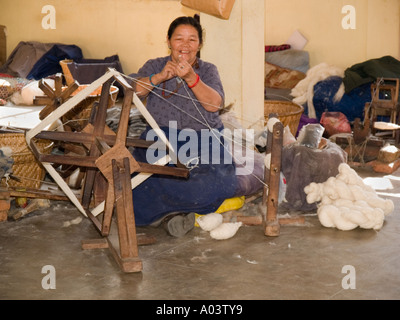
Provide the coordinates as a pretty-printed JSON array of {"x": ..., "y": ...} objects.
[
  {"x": 98, "y": 131},
  {"x": 272, "y": 226},
  {"x": 128, "y": 256}
]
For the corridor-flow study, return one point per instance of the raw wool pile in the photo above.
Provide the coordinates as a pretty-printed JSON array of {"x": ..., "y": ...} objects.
[
  {"x": 346, "y": 202},
  {"x": 219, "y": 230},
  {"x": 304, "y": 90}
]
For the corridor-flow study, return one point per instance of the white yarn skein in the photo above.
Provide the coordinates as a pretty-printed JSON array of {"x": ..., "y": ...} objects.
[
  {"x": 210, "y": 221},
  {"x": 347, "y": 203},
  {"x": 213, "y": 222},
  {"x": 225, "y": 230},
  {"x": 267, "y": 161},
  {"x": 270, "y": 124}
]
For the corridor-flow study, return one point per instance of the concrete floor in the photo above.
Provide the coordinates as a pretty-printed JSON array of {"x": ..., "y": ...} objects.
[{"x": 305, "y": 262}]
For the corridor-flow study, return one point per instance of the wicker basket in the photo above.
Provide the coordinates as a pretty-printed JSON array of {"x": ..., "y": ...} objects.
[
  {"x": 25, "y": 167},
  {"x": 288, "y": 112}
]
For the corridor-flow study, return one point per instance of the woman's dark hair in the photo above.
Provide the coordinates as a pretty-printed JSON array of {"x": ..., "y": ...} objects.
[{"x": 185, "y": 20}]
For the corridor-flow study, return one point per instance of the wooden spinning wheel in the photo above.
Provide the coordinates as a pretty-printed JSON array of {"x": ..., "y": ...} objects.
[
  {"x": 53, "y": 97},
  {"x": 108, "y": 157}
]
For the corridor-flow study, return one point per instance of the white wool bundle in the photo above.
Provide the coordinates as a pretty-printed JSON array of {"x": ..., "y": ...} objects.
[
  {"x": 343, "y": 190},
  {"x": 346, "y": 202},
  {"x": 386, "y": 205},
  {"x": 326, "y": 200},
  {"x": 225, "y": 230},
  {"x": 329, "y": 189},
  {"x": 371, "y": 199},
  {"x": 343, "y": 203},
  {"x": 304, "y": 90},
  {"x": 209, "y": 221},
  {"x": 267, "y": 161},
  {"x": 348, "y": 218},
  {"x": 330, "y": 216},
  {"x": 349, "y": 176},
  {"x": 313, "y": 192},
  {"x": 271, "y": 122}
]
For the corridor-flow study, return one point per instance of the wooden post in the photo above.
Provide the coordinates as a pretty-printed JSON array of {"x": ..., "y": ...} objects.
[
  {"x": 271, "y": 221},
  {"x": 128, "y": 259},
  {"x": 4, "y": 205},
  {"x": 274, "y": 145}
]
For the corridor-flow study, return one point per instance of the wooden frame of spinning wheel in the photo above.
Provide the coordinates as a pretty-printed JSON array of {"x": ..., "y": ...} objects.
[{"x": 107, "y": 155}]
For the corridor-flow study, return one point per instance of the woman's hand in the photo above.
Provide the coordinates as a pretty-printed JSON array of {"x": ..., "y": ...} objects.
[
  {"x": 185, "y": 71},
  {"x": 181, "y": 69},
  {"x": 207, "y": 96},
  {"x": 146, "y": 84},
  {"x": 169, "y": 72}
]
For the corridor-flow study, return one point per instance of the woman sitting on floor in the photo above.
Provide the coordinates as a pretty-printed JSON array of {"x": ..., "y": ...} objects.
[{"x": 184, "y": 95}]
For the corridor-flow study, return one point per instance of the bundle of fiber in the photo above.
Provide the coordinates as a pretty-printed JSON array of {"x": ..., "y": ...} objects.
[
  {"x": 346, "y": 202},
  {"x": 219, "y": 230}
]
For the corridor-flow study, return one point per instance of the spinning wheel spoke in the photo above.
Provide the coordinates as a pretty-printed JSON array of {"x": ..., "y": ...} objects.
[
  {"x": 66, "y": 93},
  {"x": 53, "y": 97},
  {"x": 44, "y": 86}
]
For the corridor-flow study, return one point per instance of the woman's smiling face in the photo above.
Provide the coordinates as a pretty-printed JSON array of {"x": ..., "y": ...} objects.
[{"x": 184, "y": 43}]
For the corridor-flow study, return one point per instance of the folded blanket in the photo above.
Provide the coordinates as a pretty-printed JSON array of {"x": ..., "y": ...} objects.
[
  {"x": 292, "y": 59},
  {"x": 36, "y": 60},
  {"x": 24, "y": 56},
  {"x": 369, "y": 71}
]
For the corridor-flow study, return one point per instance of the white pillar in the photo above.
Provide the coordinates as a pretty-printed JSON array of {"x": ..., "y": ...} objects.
[{"x": 236, "y": 47}]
